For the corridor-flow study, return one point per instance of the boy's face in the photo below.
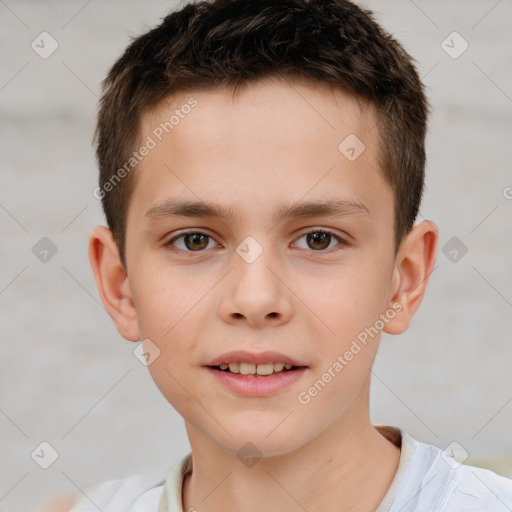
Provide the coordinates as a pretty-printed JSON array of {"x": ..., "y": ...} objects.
[{"x": 286, "y": 289}]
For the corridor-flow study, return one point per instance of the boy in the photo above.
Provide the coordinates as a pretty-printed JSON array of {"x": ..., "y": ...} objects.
[{"x": 261, "y": 169}]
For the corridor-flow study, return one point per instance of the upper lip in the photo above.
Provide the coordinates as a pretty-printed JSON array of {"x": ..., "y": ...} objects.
[{"x": 242, "y": 356}]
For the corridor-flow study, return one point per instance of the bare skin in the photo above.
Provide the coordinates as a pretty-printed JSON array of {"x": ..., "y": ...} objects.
[
  {"x": 274, "y": 144},
  {"x": 62, "y": 503}
]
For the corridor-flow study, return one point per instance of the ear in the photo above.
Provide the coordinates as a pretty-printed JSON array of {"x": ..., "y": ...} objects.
[
  {"x": 413, "y": 265},
  {"x": 112, "y": 282}
]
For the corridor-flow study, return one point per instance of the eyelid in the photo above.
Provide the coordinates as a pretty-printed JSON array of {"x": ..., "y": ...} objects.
[
  {"x": 320, "y": 229},
  {"x": 342, "y": 240},
  {"x": 184, "y": 232}
]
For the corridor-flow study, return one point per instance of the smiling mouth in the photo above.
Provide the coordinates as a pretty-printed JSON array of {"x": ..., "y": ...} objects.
[{"x": 255, "y": 370}]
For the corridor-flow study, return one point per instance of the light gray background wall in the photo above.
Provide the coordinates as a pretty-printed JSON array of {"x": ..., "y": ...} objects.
[{"x": 68, "y": 378}]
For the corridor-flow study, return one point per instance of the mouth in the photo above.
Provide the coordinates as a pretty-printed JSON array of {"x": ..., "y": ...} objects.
[
  {"x": 256, "y": 370},
  {"x": 256, "y": 379},
  {"x": 251, "y": 374}
]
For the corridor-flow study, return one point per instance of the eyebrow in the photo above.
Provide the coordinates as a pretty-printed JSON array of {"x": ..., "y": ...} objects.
[{"x": 187, "y": 208}]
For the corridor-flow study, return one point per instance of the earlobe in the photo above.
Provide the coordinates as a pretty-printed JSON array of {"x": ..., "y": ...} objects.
[
  {"x": 112, "y": 282},
  {"x": 413, "y": 266}
]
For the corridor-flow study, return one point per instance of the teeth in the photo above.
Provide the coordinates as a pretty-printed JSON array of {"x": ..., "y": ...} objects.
[
  {"x": 247, "y": 368},
  {"x": 265, "y": 369},
  {"x": 234, "y": 368},
  {"x": 253, "y": 369}
]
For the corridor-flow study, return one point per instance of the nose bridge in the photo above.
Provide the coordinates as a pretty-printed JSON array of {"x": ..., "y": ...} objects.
[
  {"x": 252, "y": 268},
  {"x": 255, "y": 291}
]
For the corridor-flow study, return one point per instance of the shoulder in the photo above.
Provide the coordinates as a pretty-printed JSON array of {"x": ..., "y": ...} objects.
[
  {"x": 136, "y": 493},
  {"x": 478, "y": 487},
  {"x": 438, "y": 482}
]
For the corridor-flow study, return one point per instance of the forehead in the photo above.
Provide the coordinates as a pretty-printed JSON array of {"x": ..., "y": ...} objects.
[
  {"x": 294, "y": 110},
  {"x": 273, "y": 138}
]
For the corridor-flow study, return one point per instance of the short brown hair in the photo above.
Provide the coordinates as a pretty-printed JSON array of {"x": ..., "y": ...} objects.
[{"x": 233, "y": 43}]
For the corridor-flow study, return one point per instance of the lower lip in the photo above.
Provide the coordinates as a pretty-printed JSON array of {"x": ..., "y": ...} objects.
[{"x": 257, "y": 385}]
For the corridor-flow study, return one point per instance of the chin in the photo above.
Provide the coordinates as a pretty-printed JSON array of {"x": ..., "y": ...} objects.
[{"x": 261, "y": 440}]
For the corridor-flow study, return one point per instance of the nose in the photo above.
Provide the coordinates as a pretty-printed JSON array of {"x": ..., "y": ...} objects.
[{"x": 257, "y": 292}]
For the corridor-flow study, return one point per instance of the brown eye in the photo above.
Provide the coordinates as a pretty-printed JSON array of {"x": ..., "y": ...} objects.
[
  {"x": 191, "y": 241},
  {"x": 319, "y": 240},
  {"x": 196, "y": 241}
]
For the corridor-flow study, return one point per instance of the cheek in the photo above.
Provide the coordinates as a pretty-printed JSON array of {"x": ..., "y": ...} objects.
[
  {"x": 172, "y": 313},
  {"x": 160, "y": 301},
  {"x": 346, "y": 301},
  {"x": 168, "y": 374}
]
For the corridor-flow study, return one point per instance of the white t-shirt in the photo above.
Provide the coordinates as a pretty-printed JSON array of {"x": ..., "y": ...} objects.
[{"x": 427, "y": 480}]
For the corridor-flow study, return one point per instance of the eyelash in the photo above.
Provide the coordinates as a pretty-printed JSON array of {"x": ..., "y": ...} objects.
[{"x": 170, "y": 243}]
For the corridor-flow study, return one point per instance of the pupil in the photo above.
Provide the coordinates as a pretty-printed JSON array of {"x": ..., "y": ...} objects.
[
  {"x": 319, "y": 238},
  {"x": 196, "y": 238}
]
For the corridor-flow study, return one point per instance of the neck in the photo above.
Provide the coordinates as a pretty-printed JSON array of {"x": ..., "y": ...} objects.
[{"x": 354, "y": 471}]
